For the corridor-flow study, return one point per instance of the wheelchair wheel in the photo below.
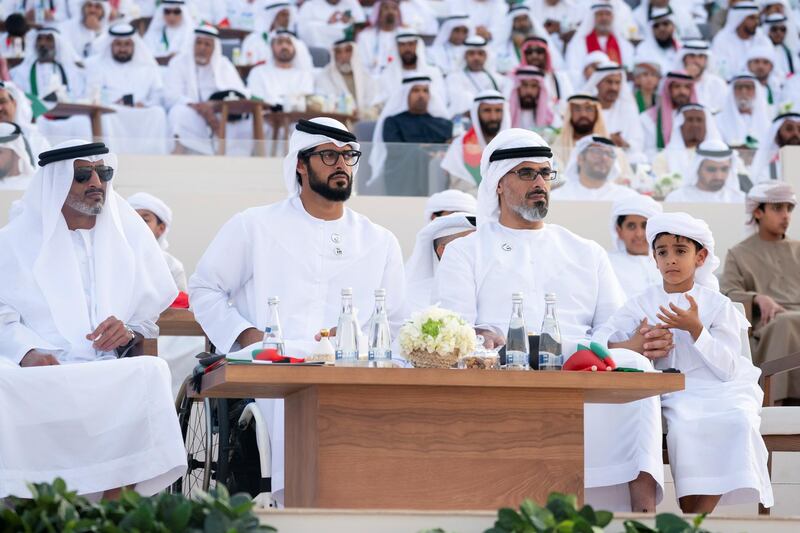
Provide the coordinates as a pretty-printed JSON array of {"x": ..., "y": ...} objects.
[{"x": 201, "y": 435}]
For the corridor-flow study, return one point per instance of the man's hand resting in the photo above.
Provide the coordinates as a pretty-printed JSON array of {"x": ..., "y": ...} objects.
[
  {"x": 34, "y": 358},
  {"x": 110, "y": 335},
  {"x": 250, "y": 336},
  {"x": 767, "y": 308}
]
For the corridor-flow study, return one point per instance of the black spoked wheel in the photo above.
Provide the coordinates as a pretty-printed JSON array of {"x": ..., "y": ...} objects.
[{"x": 200, "y": 430}]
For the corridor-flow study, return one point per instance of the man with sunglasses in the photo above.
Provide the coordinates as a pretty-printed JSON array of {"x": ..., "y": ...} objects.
[
  {"x": 303, "y": 249},
  {"x": 660, "y": 43},
  {"x": 83, "y": 282},
  {"x": 712, "y": 176},
  {"x": 786, "y": 45},
  {"x": 514, "y": 250},
  {"x": 591, "y": 172}
]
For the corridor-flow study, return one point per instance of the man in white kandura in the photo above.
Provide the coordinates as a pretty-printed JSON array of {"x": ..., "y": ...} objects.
[
  {"x": 266, "y": 251},
  {"x": 276, "y": 16},
  {"x": 712, "y": 177},
  {"x": 288, "y": 74},
  {"x": 128, "y": 76},
  {"x": 193, "y": 77},
  {"x": 428, "y": 250},
  {"x": 83, "y": 282},
  {"x": 16, "y": 168},
  {"x": 447, "y": 202},
  {"x": 513, "y": 250},
  {"x": 171, "y": 29},
  {"x": 630, "y": 254},
  {"x": 489, "y": 115},
  {"x": 593, "y": 166}
]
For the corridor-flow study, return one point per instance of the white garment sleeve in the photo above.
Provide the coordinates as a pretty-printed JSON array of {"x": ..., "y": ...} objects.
[
  {"x": 610, "y": 295},
  {"x": 225, "y": 267},
  {"x": 17, "y": 339},
  {"x": 394, "y": 280},
  {"x": 146, "y": 328},
  {"x": 454, "y": 286},
  {"x": 720, "y": 345}
]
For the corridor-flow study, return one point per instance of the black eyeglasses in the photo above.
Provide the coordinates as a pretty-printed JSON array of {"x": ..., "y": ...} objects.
[
  {"x": 529, "y": 174},
  {"x": 84, "y": 174},
  {"x": 331, "y": 157},
  {"x": 176, "y": 11}
]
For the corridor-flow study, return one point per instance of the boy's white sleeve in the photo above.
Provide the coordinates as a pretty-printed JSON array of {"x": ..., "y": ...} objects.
[
  {"x": 620, "y": 326},
  {"x": 720, "y": 345}
]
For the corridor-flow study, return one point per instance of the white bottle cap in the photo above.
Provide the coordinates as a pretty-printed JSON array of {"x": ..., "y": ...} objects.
[
  {"x": 516, "y": 296},
  {"x": 273, "y": 300},
  {"x": 550, "y": 297},
  {"x": 380, "y": 293},
  {"x": 348, "y": 291}
]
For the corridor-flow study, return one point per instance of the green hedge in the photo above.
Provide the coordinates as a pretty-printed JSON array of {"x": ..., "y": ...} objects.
[{"x": 54, "y": 509}]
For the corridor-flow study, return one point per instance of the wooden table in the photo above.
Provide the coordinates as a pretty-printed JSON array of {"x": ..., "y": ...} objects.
[
  {"x": 281, "y": 122},
  {"x": 94, "y": 112},
  {"x": 175, "y": 322},
  {"x": 369, "y": 438},
  {"x": 255, "y": 108}
]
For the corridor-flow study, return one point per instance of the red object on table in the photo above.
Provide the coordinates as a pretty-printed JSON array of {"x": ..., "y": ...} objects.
[
  {"x": 271, "y": 354},
  {"x": 182, "y": 301}
]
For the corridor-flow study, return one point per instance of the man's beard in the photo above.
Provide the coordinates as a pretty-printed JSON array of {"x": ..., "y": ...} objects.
[
  {"x": 527, "y": 102},
  {"x": 390, "y": 19},
  {"x": 744, "y": 104},
  {"x": 45, "y": 54},
  {"x": 536, "y": 212},
  {"x": 345, "y": 68},
  {"x": 490, "y": 128},
  {"x": 714, "y": 185},
  {"x": 794, "y": 140},
  {"x": 321, "y": 187},
  {"x": 596, "y": 174},
  {"x": 285, "y": 57},
  {"x": 666, "y": 43},
  {"x": 408, "y": 59},
  {"x": 749, "y": 31},
  {"x": 583, "y": 126},
  {"x": 123, "y": 58},
  {"x": 84, "y": 207},
  {"x": 5, "y": 171}
]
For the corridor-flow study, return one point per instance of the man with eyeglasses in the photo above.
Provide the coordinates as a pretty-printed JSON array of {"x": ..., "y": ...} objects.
[
  {"x": 171, "y": 29},
  {"x": 712, "y": 177},
  {"x": 660, "y": 42},
  {"x": 514, "y": 250},
  {"x": 304, "y": 250},
  {"x": 786, "y": 45},
  {"x": 83, "y": 282},
  {"x": 591, "y": 172},
  {"x": 536, "y": 53}
]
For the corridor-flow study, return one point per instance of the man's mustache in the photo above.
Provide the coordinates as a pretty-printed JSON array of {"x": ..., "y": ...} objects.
[
  {"x": 94, "y": 190},
  {"x": 537, "y": 191},
  {"x": 339, "y": 174}
]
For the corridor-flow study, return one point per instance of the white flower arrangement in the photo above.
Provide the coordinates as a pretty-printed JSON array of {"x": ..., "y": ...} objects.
[
  {"x": 667, "y": 183},
  {"x": 435, "y": 337}
]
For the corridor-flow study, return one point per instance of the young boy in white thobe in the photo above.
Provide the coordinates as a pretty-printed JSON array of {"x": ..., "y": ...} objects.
[{"x": 716, "y": 452}]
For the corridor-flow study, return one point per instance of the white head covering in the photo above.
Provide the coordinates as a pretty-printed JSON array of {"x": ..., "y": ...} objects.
[
  {"x": 715, "y": 150},
  {"x": 148, "y": 202},
  {"x": 24, "y": 115},
  {"x": 572, "y": 172},
  {"x": 768, "y": 149},
  {"x": 505, "y": 32},
  {"x": 308, "y": 134},
  {"x": 133, "y": 282},
  {"x": 625, "y": 99},
  {"x": 12, "y": 138},
  {"x": 156, "y": 35},
  {"x": 142, "y": 56},
  {"x": 792, "y": 40},
  {"x": 736, "y": 15},
  {"x": 450, "y": 200},
  {"x": 226, "y": 77},
  {"x": 694, "y": 47},
  {"x": 302, "y": 57},
  {"x": 398, "y": 103},
  {"x": 442, "y": 40},
  {"x": 637, "y": 204},
  {"x": 676, "y": 152},
  {"x": 361, "y": 77},
  {"x": 586, "y": 25},
  {"x": 423, "y": 261},
  {"x": 266, "y": 18},
  {"x": 499, "y": 158},
  {"x": 65, "y": 53},
  {"x": 488, "y": 96},
  {"x": 771, "y": 192},
  {"x": 730, "y": 121},
  {"x": 687, "y": 226}
]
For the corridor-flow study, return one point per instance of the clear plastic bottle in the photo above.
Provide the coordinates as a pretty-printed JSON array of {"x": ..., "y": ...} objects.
[
  {"x": 550, "y": 357},
  {"x": 517, "y": 339},
  {"x": 273, "y": 334},
  {"x": 379, "y": 334},
  {"x": 347, "y": 332}
]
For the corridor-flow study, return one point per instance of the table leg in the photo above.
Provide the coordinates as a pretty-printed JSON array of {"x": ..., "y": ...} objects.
[
  {"x": 429, "y": 447},
  {"x": 97, "y": 125},
  {"x": 258, "y": 130},
  {"x": 223, "y": 127}
]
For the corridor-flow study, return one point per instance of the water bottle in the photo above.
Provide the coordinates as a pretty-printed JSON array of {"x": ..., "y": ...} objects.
[
  {"x": 458, "y": 126},
  {"x": 379, "y": 335},
  {"x": 347, "y": 332},
  {"x": 273, "y": 335},
  {"x": 517, "y": 338},
  {"x": 550, "y": 357}
]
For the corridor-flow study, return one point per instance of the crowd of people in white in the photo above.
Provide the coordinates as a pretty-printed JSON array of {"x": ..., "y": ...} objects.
[
  {"x": 85, "y": 281},
  {"x": 657, "y": 80}
]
